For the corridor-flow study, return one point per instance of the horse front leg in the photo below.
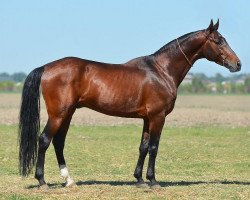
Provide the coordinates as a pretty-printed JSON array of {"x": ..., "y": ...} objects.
[
  {"x": 156, "y": 124},
  {"x": 143, "y": 151}
]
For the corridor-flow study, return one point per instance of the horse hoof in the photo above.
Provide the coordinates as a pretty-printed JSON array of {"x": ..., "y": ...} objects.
[
  {"x": 155, "y": 186},
  {"x": 43, "y": 187},
  {"x": 141, "y": 185},
  {"x": 70, "y": 183}
]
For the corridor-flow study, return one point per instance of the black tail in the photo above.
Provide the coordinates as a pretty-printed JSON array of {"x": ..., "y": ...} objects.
[{"x": 29, "y": 121}]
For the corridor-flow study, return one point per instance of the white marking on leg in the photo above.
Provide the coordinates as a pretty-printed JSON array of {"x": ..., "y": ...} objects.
[
  {"x": 64, "y": 171},
  {"x": 65, "y": 174}
]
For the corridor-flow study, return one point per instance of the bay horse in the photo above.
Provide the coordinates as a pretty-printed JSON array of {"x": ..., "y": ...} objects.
[{"x": 144, "y": 87}]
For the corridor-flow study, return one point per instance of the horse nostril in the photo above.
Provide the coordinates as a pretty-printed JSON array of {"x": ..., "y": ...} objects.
[{"x": 238, "y": 64}]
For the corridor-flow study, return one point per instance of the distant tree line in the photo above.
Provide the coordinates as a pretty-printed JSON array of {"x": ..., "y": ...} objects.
[
  {"x": 16, "y": 77},
  {"x": 218, "y": 84},
  {"x": 12, "y": 82},
  {"x": 198, "y": 84}
]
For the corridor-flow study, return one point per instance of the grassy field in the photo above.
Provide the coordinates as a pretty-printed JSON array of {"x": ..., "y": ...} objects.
[
  {"x": 199, "y": 162},
  {"x": 204, "y": 153}
]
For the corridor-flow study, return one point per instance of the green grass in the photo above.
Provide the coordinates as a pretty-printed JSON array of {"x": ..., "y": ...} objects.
[{"x": 192, "y": 163}]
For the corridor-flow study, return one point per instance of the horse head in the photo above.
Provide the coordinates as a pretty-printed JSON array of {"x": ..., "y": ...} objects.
[{"x": 216, "y": 49}]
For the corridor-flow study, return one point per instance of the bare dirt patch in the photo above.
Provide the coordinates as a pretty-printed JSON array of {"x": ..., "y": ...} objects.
[{"x": 190, "y": 110}]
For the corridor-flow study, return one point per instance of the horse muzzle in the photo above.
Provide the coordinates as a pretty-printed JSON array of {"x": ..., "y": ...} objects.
[{"x": 233, "y": 67}]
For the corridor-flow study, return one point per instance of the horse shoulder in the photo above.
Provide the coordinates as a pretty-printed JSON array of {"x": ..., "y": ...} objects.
[
  {"x": 158, "y": 96},
  {"x": 171, "y": 95}
]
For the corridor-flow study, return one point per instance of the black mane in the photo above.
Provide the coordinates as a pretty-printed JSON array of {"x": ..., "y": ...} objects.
[{"x": 173, "y": 42}]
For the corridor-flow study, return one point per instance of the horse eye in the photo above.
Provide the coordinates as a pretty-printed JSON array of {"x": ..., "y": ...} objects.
[{"x": 219, "y": 41}]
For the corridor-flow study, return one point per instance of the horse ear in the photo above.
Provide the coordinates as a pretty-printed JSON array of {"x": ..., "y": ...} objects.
[
  {"x": 216, "y": 26},
  {"x": 210, "y": 29}
]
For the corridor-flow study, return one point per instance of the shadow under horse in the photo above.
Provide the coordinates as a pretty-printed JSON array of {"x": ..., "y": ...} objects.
[
  {"x": 130, "y": 183},
  {"x": 145, "y": 87}
]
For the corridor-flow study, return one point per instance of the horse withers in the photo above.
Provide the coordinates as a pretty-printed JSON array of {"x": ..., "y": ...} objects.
[{"x": 145, "y": 87}]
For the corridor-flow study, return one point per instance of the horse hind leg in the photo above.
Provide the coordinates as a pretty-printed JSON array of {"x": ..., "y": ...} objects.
[
  {"x": 44, "y": 142},
  {"x": 52, "y": 127},
  {"x": 58, "y": 142}
]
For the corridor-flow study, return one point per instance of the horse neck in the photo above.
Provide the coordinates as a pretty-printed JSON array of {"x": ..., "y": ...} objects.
[{"x": 177, "y": 60}]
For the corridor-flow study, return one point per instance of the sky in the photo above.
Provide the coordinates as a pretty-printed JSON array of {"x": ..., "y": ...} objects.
[{"x": 33, "y": 33}]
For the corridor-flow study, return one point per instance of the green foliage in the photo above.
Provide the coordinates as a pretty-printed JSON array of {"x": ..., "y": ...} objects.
[
  {"x": 185, "y": 88},
  {"x": 12, "y": 83},
  {"x": 9, "y": 86},
  {"x": 198, "y": 85},
  {"x": 219, "y": 87},
  {"x": 218, "y": 78},
  {"x": 237, "y": 84},
  {"x": 247, "y": 84}
]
